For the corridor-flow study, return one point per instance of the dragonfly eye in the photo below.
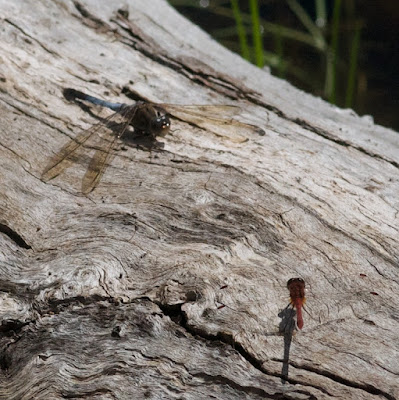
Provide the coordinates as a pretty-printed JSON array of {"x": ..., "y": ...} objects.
[
  {"x": 295, "y": 280},
  {"x": 160, "y": 125}
]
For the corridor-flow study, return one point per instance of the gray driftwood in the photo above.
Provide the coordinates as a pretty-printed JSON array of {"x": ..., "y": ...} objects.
[{"x": 122, "y": 294}]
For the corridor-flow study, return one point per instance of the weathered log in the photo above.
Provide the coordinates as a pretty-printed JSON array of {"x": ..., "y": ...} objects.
[{"x": 169, "y": 279}]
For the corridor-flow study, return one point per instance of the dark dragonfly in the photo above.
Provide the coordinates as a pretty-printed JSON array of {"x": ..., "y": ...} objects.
[{"x": 148, "y": 119}]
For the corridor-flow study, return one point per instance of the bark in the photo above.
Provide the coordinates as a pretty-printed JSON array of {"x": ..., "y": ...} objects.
[{"x": 169, "y": 279}]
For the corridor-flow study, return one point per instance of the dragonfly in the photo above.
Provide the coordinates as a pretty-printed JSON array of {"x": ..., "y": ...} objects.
[
  {"x": 297, "y": 298},
  {"x": 147, "y": 119},
  {"x": 296, "y": 287}
]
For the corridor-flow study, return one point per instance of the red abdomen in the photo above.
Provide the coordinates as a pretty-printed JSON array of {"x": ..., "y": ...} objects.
[{"x": 296, "y": 287}]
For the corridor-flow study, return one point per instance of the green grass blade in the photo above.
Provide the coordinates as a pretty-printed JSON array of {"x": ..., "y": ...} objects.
[
  {"x": 242, "y": 36},
  {"x": 256, "y": 33},
  {"x": 281, "y": 66},
  {"x": 307, "y": 22},
  {"x": 321, "y": 13},
  {"x": 268, "y": 27}
]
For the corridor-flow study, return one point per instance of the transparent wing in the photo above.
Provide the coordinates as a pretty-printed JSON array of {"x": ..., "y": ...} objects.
[
  {"x": 260, "y": 311},
  {"x": 63, "y": 159},
  {"x": 101, "y": 159},
  {"x": 215, "y": 118},
  {"x": 206, "y": 110},
  {"x": 116, "y": 123},
  {"x": 349, "y": 296}
]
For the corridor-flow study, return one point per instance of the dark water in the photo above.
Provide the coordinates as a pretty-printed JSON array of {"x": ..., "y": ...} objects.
[{"x": 377, "y": 80}]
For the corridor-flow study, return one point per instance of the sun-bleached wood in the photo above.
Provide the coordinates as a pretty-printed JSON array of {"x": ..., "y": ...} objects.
[{"x": 169, "y": 279}]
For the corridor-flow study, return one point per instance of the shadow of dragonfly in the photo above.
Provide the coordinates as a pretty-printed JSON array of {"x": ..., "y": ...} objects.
[{"x": 149, "y": 120}]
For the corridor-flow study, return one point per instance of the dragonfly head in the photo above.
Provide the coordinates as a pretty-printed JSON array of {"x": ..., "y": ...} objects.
[
  {"x": 296, "y": 282},
  {"x": 160, "y": 124}
]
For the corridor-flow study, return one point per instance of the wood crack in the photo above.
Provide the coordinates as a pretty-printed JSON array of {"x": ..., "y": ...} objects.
[
  {"x": 175, "y": 313},
  {"x": 366, "y": 387},
  {"x": 14, "y": 236},
  {"x": 219, "y": 379},
  {"x": 326, "y": 135},
  {"x": 53, "y": 53}
]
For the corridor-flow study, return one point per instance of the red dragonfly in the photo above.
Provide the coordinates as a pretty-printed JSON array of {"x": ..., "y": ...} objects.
[{"x": 296, "y": 289}]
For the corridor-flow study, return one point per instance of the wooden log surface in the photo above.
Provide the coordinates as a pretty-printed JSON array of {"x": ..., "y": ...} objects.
[{"x": 168, "y": 281}]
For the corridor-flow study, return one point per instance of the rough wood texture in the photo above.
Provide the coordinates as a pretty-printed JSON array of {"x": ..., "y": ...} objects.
[{"x": 120, "y": 294}]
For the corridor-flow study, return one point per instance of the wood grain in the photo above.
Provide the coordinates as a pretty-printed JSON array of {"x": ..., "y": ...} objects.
[{"x": 169, "y": 279}]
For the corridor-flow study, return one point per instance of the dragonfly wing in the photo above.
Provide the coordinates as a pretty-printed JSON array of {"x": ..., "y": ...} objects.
[
  {"x": 62, "y": 159},
  {"x": 213, "y": 118},
  {"x": 216, "y": 111},
  {"x": 103, "y": 155},
  {"x": 97, "y": 166},
  {"x": 116, "y": 122}
]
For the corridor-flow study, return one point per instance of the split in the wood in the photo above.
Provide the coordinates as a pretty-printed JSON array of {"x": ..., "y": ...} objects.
[{"x": 14, "y": 236}]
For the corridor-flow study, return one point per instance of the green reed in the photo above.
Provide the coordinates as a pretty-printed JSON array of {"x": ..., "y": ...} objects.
[{"x": 335, "y": 39}]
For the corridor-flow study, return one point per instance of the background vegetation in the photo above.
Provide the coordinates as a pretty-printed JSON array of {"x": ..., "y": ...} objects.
[{"x": 342, "y": 50}]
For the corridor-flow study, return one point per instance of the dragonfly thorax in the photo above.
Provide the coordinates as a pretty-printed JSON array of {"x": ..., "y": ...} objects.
[{"x": 151, "y": 119}]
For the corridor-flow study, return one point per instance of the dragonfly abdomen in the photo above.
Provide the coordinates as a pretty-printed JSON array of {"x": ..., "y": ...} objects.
[{"x": 72, "y": 94}]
